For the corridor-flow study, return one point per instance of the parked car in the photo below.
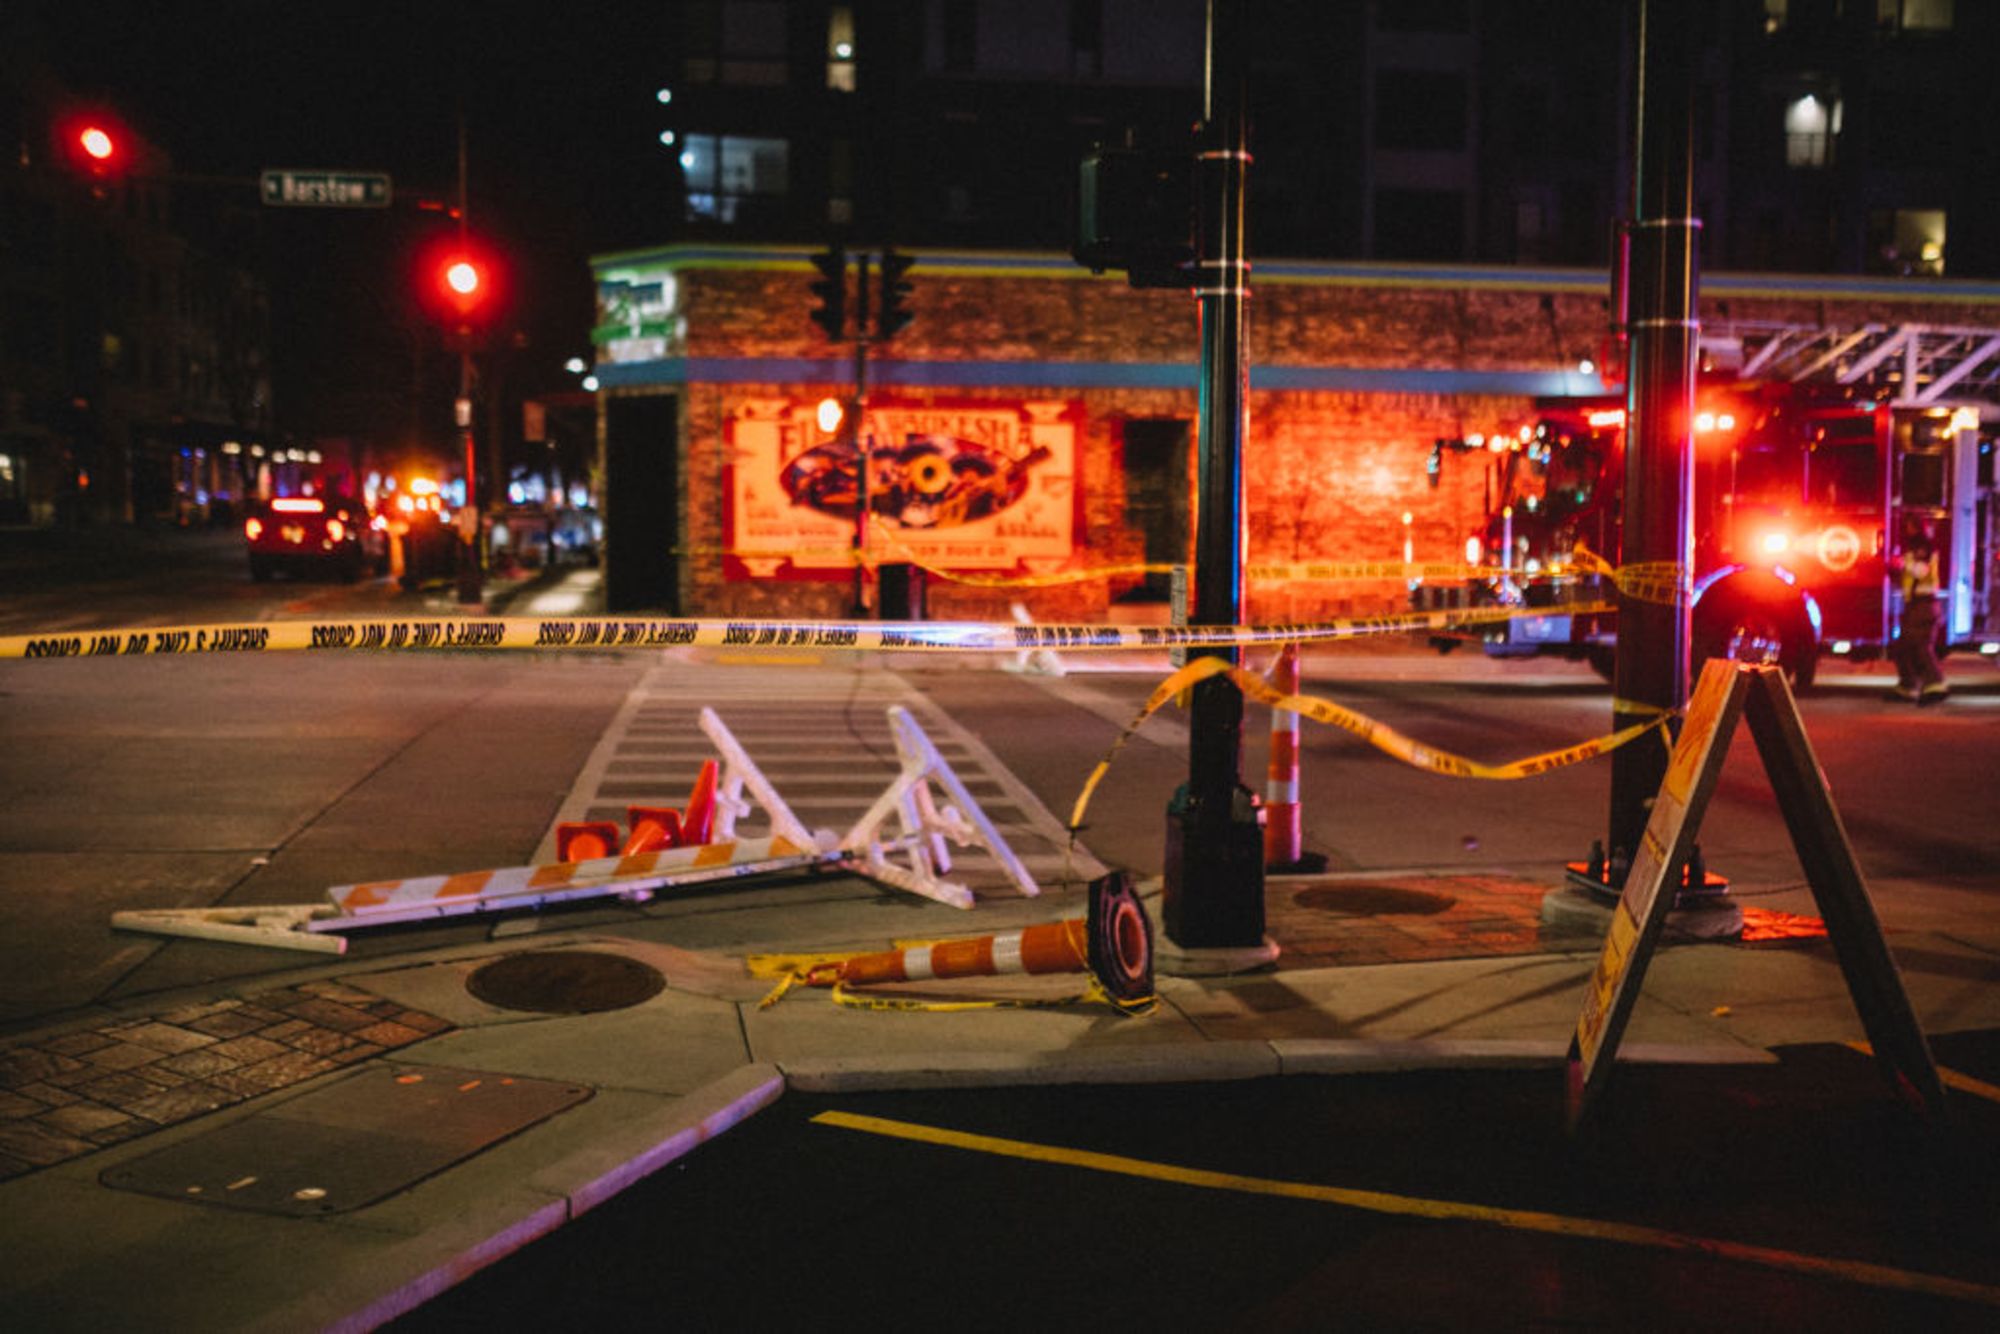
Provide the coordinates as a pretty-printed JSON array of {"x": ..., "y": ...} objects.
[{"x": 331, "y": 535}]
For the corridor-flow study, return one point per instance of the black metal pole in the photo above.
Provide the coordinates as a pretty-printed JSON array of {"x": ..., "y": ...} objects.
[
  {"x": 1663, "y": 284},
  {"x": 1214, "y": 885},
  {"x": 857, "y": 407}
]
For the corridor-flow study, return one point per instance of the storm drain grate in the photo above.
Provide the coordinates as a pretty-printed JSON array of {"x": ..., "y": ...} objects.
[
  {"x": 565, "y": 982},
  {"x": 1363, "y": 900},
  {"x": 349, "y": 1144}
]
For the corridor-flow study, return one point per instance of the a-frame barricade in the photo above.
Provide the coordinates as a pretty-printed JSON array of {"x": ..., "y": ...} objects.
[
  {"x": 926, "y": 825},
  {"x": 1727, "y": 693}
]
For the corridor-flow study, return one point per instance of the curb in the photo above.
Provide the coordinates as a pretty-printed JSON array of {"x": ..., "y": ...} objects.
[
  {"x": 579, "y": 1183},
  {"x": 587, "y": 1178}
]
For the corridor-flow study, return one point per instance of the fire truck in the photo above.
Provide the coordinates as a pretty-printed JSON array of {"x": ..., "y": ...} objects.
[{"x": 1805, "y": 493}]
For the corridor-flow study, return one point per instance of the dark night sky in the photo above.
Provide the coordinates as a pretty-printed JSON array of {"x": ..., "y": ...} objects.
[{"x": 561, "y": 130}]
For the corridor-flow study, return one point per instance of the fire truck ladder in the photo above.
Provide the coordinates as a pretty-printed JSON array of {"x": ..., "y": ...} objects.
[{"x": 1914, "y": 365}]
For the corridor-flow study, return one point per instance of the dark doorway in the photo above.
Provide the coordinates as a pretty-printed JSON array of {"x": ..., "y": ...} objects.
[
  {"x": 641, "y": 485},
  {"x": 1155, "y": 460}
]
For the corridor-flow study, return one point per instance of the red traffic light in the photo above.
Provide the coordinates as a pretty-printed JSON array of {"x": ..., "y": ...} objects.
[
  {"x": 95, "y": 144},
  {"x": 460, "y": 281}
]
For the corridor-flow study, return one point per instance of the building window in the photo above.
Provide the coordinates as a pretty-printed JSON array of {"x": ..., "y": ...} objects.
[
  {"x": 1419, "y": 224},
  {"x": 1914, "y": 15},
  {"x": 1907, "y": 241},
  {"x": 734, "y": 41},
  {"x": 840, "y": 49},
  {"x": 1812, "y": 123},
  {"x": 960, "y": 22},
  {"x": 1423, "y": 16},
  {"x": 840, "y": 181},
  {"x": 1420, "y": 110},
  {"x": 722, "y": 171},
  {"x": 1086, "y": 38}
]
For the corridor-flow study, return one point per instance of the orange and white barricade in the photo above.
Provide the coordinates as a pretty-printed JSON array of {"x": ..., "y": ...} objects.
[{"x": 665, "y": 848}]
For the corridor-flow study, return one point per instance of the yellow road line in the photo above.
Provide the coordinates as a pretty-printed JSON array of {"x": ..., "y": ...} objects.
[
  {"x": 1854, "y": 1271},
  {"x": 1952, "y": 1079}
]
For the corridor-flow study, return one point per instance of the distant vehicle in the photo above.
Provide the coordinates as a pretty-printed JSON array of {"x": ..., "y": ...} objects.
[
  {"x": 300, "y": 535},
  {"x": 428, "y": 538},
  {"x": 576, "y": 534}
]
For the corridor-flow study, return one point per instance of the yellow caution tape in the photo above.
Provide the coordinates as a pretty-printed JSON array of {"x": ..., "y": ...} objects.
[
  {"x": 787, "y": 965},
  {"x": 1661, "y": 581},
  {"x": 613, "y": 632},
  {"x": 1049, "y": 580},
  {"x": 1377, "y": 734},
  {"x": 1092, "y": 993},
  {"x": 1338, "y": 571}
]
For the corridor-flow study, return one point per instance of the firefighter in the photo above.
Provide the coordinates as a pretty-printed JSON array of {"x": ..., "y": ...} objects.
[{"x": 1919, "y": 680}]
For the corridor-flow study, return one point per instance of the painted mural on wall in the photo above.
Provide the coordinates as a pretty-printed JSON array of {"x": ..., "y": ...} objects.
[{"x": 971, "y": 485}]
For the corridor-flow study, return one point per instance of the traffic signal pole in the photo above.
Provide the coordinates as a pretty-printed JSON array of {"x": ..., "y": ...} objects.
[
  {"x": 1662, "y": 281},
  {"x": 1213, "y": 902},
  {"x": 471, "y": 581}
]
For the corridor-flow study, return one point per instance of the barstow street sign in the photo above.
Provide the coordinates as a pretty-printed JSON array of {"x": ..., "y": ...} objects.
[{"x": 325, "y": 189}]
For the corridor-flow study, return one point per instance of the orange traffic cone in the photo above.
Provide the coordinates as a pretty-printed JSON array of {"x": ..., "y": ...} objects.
[
  {"x": 653, "y": 828},
  {"x": 580, "y": 841},
  {"x": 698, "y": 820},
  {"x": 1113, "y": 942}
]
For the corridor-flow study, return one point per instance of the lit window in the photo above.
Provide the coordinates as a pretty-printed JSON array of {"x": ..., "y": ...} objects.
[
  {"x": 723, "y": 170},
  {"x": 840, "y": 49},
  {"x": 1907, "y": 241},
  {"x": 1811, "y": 126},
  {"x": 1914, "y": 15}
]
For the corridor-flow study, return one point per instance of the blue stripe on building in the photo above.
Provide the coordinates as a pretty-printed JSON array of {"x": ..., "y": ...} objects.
[{"x": 1082, "y": 375}]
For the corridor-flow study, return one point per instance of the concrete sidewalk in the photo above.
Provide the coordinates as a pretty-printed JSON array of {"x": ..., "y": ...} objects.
[{"x": 651, "y": 1081}]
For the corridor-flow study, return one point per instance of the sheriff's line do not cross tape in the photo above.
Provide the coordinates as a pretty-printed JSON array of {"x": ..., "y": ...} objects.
[
  {"x": 424, "y": 634},
  {"x": 1377, "y": 734}
]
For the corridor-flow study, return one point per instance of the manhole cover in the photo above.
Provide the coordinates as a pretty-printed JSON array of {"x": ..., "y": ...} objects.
[
  {"x": 1373, "y": 900},
  {"x": 565, "y": 982}
]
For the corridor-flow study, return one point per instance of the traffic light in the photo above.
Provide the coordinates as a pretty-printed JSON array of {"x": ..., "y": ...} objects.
[
  {"x": 831, "y": 289},
  {"x": 894, "y": 317},
  {"x": 95, "y": 144},
  {"x": 463, "y": 284},
  {"x": 1135, "y": 211},
  {"x": 459, "y": 280}
]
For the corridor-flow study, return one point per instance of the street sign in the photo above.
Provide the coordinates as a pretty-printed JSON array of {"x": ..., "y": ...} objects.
[{"x": 325, "y": 189}]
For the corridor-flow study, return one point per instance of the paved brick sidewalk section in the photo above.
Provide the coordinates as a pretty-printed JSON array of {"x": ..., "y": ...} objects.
[{"x": 64, "y": 1096}]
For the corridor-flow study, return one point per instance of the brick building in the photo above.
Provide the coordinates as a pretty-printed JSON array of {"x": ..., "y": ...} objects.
[{"x": 1034, "y": 419}]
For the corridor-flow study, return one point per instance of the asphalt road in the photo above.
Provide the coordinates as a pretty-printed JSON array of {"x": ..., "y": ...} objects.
[
  {"x": 266, "y": 779},
  {"x": 1794, "y": 1196}
]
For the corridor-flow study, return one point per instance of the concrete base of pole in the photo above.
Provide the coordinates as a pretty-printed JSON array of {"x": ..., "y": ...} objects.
[
  {"x": 1220, "y": 961},
  {"x": 1717, "y": 918}
]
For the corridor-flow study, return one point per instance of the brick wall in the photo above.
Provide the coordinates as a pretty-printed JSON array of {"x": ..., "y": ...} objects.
[{"x": 1328, "y": 475}]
